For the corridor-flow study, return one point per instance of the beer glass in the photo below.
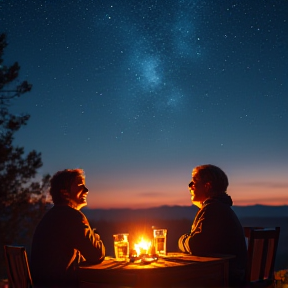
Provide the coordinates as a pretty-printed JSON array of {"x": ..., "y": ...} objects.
[
  {"x": 160, "y": 241},
  {"x": 121, "y": 246}
]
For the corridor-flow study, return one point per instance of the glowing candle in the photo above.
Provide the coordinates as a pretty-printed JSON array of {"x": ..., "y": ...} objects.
[{"x": 142, "y": 247}]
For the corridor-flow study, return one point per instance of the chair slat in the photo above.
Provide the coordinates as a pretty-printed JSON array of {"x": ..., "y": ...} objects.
[
  {"x": 18, "y": 270},
  {"x": 262, "y": 248}
]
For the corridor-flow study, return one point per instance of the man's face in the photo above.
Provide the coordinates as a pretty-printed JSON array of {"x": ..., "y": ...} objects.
[
  {"x": 78, "y": 193},
  {"x": 198, "y": 188}
]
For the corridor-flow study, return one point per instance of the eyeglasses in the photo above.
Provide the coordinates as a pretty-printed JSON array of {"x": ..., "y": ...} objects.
[{"x": 191, "y": 184}]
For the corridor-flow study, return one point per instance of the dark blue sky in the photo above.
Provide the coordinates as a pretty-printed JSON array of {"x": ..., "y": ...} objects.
[{"x": 137, "y": 93}]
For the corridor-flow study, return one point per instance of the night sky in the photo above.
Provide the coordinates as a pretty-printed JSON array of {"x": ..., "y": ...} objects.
[{"x": 137, "y": 93}]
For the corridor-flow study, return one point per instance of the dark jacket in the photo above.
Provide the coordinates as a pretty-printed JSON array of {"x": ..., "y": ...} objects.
[
  {"x": 217, "y": 230},
  {"x": 61, "y": 241}
]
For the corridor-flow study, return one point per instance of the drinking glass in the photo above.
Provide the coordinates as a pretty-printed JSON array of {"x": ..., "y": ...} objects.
[
  {"x": 160, "y": 241},
  {"x": 121, "y": 246}
]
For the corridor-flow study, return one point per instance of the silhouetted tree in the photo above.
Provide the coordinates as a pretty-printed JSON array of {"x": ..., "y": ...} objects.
[{"x": 22, "y": 199}]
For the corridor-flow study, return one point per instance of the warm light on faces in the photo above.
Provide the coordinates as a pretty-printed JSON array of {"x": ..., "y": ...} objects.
[
  {"x": 78, "y": 193},
  {"x": 198, "y": 189}
]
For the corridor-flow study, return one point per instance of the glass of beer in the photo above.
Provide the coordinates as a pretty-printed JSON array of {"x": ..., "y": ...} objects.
[
  {"x": 160, "y": 241},
  {"x": 121, "y": 246}
]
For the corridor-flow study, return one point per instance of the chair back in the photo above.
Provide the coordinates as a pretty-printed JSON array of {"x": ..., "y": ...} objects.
[
  {"x": 262, "y": 248},
  {"x": 18, "y": 270}
]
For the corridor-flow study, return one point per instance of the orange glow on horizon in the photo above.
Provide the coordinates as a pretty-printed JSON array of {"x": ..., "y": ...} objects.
[{"x": 247, "y": 188}]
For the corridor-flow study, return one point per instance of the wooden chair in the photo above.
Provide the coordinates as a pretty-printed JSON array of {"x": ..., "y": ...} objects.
[
  {"x": 262, "y": 248},
  {"x": 18, "y": 270}
]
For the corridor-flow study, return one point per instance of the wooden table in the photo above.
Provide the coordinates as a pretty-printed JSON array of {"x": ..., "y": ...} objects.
[{"x": 173, "y": 270}]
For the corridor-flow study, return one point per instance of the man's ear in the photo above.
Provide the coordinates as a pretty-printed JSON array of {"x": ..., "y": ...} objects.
[
  {"x": 64, "y": 193},
  {"x": 208, "y": 185}
]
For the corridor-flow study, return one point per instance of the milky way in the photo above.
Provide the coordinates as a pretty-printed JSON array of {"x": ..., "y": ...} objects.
[{"x": 153, "y": 41}]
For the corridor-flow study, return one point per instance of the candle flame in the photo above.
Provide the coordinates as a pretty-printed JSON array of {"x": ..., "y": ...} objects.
[{"x": 142, "y": 247}]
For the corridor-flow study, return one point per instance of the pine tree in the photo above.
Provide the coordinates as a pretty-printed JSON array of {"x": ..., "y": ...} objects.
[{"x": 22, "y": 199}]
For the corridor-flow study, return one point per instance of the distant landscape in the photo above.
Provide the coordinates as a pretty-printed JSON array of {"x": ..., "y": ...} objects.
[{"x": 177, "y": 220}]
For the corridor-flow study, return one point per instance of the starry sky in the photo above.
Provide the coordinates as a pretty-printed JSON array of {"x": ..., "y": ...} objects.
[{"x": 137, "y": 93}]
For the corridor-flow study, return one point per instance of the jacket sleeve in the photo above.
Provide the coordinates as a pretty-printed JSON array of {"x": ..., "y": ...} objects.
[
  {"x": 183, "y": 243},
  {"x": 88, "y": 242},
  {"x": 200, "y": 240}
]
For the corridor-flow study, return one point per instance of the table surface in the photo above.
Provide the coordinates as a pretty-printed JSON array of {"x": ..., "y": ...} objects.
[{"x": 172, "y": 270}]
